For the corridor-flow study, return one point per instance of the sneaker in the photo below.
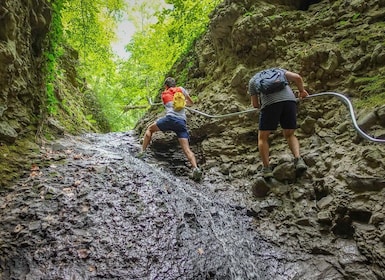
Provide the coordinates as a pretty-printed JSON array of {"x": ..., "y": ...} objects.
[
  {"x": 267, "y": 173},
  {"x": 141, "y": 154},
  {"x": 300, "y": 164},
  {"x": 196, "y": 174}
]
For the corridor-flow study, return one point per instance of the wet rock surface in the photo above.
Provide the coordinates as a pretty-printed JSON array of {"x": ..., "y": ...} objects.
[{"x": 90, "y": 210}]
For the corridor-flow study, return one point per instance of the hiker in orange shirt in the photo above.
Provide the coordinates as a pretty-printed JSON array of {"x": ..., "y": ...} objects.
[{"x": 175, "y": 120}]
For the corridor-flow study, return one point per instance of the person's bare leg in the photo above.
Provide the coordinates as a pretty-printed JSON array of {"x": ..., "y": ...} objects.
[
  {"x": 263, "y": 146},
  {"x": 148, "y": 135},
  {"x": 187, "y": 151},
  {"x": 292, "y": 141}
]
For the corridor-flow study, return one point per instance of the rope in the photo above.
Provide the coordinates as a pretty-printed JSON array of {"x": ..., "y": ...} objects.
[{"x": 341, "y": 97}]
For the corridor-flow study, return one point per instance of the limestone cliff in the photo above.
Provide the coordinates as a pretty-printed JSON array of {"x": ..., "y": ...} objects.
[
  {"x": 336, "y": 46},
  {"x": 24, "y": 121},
  {"x": 22, "y": 32}
]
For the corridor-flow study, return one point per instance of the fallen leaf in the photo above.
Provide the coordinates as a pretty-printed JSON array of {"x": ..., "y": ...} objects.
[
  {"x": 83, "y": 253},
  {"x": 91, "y": 268},
  {"x": 18, "y": 228},
  {"x": 35, "y": 167},
  {"x": 77, "y": 156},
  {"x": 34, "y": 174},
  {"x": 85, "y": 208},
  {"x": 77, "y": 183}
]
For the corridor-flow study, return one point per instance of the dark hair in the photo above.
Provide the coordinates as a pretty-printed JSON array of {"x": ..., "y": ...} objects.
[{"x": 170, "y": 82}]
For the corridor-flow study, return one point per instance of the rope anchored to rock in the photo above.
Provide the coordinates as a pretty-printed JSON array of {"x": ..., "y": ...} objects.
[{"x": 341, "y": 97}]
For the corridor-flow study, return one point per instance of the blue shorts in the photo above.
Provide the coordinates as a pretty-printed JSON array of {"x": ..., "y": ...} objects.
[
  {"x": 170, "y": 123},
  {"x": 283, "y": 113}
]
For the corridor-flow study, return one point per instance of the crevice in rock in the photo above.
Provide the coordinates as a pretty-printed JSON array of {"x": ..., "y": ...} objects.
[
  {"x": 304, "y": 5},
  {"x": 343, "y": 227},
  {"x": 360, "y": 216}
]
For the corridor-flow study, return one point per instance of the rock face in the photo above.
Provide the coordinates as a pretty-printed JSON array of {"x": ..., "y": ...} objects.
[
  {"x": 24, "y": 26},
  {"x": 336, "y": 46}
]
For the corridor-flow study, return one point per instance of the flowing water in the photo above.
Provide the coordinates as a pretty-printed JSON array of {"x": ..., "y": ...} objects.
[{"x": 90, "y": 210}]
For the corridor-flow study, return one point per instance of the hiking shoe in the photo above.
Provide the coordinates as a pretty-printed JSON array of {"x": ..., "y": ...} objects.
[
  {"x": 141, "y": 154},
  {"x": 196, "y": 174},
  {"x": 267, "y": 173},
  {"x": 300, "y": 165}
]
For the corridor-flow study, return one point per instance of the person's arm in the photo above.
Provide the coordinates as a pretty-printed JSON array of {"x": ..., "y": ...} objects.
[
  {"x": 253, "y": 95},
  {"x": 254, "y": 101},
  {"x": 297, "y": 79},
  {"x": 189, "y": 101}
]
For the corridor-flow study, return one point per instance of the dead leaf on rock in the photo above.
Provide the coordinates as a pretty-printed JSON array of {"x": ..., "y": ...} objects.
[
  {"x": 34, "y": 174},
  {"x": 77, "y": 183},
  {"x": 83, "y": 253},
  {"x": 85, "y": 208},
  {"x": 35, "y": 167},
  {"x": 35, "y": 170},
  {"x": 77, "y": 156},
  {"x": 18, "y": 228},
  {"x": 48, "y": 218},
  {"x": 68, "y": 192}
]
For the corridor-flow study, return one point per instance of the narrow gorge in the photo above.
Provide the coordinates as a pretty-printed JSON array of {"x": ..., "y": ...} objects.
[{"x": 80, "y": 206}]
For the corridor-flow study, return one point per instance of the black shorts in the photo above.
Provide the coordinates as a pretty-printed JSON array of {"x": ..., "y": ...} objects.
[{"x": 283, "y": 113}]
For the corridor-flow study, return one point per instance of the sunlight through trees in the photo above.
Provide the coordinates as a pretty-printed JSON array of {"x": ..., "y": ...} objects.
[{"x": 164, "y": 31}]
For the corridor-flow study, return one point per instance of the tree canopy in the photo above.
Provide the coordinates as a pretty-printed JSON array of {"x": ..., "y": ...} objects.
[{"x": 165, "y": 31}]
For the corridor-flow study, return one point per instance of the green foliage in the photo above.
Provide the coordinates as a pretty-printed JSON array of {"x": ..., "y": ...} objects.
[
  {"x": 160, "y": 40},
  {"x": 371, "y": 101},
  {"x": 89, "y": 28},
  {"x": 371, "y": 90},
  {"x": 158, "y": 46},
  {"x": 343, "y": 23},
  {"x": 371, "y": 85},
  {"x": 53, "y": 54},
  {"x": 355, "y": 16},
  {"x": 248, "y": 14}
]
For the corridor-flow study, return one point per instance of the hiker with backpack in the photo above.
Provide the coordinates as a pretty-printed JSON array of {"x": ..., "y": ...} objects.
[
  {"x": 174, "y": 100},
  {"x": 270, "y": 91}
]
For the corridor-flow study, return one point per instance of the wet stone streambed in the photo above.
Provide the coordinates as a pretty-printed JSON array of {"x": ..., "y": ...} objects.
[{"x": 91, "y": 210}]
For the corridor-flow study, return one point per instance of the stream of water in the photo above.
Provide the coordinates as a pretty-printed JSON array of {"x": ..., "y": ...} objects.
[{"x": 91, "y": 210}]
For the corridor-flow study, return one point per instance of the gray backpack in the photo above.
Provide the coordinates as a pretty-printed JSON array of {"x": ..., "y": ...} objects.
[{"x": 271, "y": 80}]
